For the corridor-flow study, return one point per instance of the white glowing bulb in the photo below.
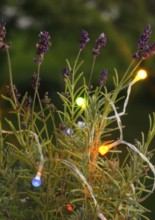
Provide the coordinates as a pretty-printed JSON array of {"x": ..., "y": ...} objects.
[
  {"x": 141, "y": 75},
  {"x": 80, "y": 102}
]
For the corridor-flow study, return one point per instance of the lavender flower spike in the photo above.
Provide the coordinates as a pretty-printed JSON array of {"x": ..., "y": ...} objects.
[
  {"x": 100, "y": 42},
  {"x": 10, "y": 93},
  {"x": 2, "y": 36},
  {"x": 149, "y": 52},
  {"x": 35, "y": 81},
  {"x": 42, "y": 46},
  {"x": 104, "y": 77},
  {"x": 65, "y": 72},
  {"x": 142, "y": 45},
  {"x": 143, "y": 40},
  {"x": 84, "y": 39}
]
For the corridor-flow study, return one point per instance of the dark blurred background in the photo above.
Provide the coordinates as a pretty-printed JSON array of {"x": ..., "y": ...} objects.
[{"x": 121, "y": 21}]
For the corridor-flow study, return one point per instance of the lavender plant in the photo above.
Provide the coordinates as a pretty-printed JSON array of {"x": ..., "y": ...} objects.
[{"x": 63, "y": 163}]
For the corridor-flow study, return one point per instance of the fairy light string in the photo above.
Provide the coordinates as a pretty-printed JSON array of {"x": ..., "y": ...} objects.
[
  {"x": 82, "y": 177},
  {"x": 141, "y": 74},
  {"x": 36, "y": 181}
]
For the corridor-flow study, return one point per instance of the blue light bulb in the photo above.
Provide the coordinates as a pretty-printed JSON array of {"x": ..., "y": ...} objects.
[
  {"x": 36, "y": 181},
  {"x": 68, "y": 131}
]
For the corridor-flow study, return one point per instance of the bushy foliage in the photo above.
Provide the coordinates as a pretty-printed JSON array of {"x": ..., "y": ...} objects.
[{"x": 65, "y": 163}]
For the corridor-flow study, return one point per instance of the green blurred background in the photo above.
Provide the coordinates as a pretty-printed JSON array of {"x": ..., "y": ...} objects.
[{"x": 121, "y": 21}]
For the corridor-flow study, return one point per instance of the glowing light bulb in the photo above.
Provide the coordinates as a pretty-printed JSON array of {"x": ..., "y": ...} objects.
[
  {"x": 69, "y": 132},
  {"x": 103, "y": 149},
  {"x": 69, "y": 207},
  {"x": 80, "y": 102},
  {"x": 141, "y": 75},
  {"x": 36, "y": 181},
  {"x": 81, "y": 124}
]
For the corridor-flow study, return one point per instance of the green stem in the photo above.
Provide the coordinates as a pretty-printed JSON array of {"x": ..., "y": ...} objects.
[
  {"x": 76, "y": 61},
  {"x": 92, "y": 70},
  {"x": 48, "y": 184},
  {"x": 128, "y": 70},
  {"x": 130, "y": 73},
  {"x": 1, "y": 146},
  {"x": 10, "y": 77},
  {"x": 54, "y": 127},
  {"x": 73, "y": 88},
  {"x": 43, "y": 114},
  {"x": 74, "y": 68},
  {"x": 36, "y": 88}
]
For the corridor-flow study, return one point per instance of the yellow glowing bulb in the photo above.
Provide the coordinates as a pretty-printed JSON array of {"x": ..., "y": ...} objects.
[
  {"x": 141, "y": 74},
  {"x": 80, "y": 102},
  {"x": 103, "y": 149}
]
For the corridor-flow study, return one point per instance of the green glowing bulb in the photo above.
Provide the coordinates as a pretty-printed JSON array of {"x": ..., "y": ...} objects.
[{"x": 80, "y": 102}]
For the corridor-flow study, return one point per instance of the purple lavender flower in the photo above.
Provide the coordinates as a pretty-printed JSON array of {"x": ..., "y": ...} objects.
[
  {"x": 104, "y": 77},
  {"x": 28, "y": 102},
  {"x": 2, "y": 36},
  {"x": 142, "y": 45},
  {"x": 84, "y": 39},
  {"x": 100, "y": 42},
  {"x": 42, "y": 46},
  {"x": 46, "y": 100},
  {"x": 144, "y": 38},
  {"x": 2, "y": 29},
  {"x": 35, "y": 81},
  {"x": 65, "y": 72},
  {"x": 149, "y": 52},
  {"x": 10, "y": 92},
  {"x": 27, "y": 107},
  {"x": 136, "y": 56}
]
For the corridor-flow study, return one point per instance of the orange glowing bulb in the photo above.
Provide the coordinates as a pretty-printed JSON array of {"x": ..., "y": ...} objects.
[{"x": 69, "y": 207}]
